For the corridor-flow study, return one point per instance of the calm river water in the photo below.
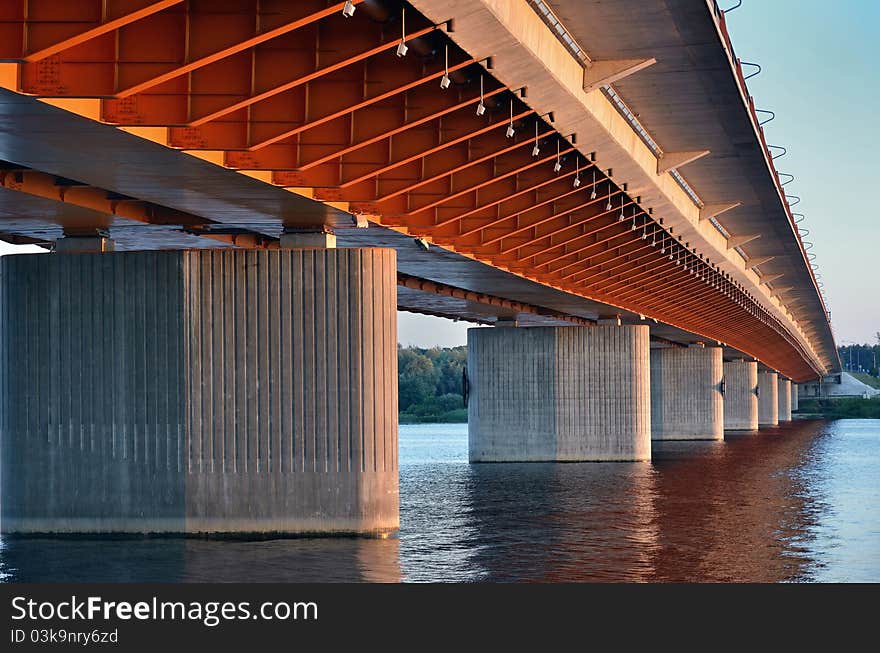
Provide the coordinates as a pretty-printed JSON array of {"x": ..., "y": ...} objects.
[{"x": 800, "y": 502}]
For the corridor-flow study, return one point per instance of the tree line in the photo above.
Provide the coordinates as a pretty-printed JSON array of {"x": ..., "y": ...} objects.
[
  {"x": 430, "y": 384},
  {"x": 861, "y": 358},
  {"x": 430, "y": 380}
]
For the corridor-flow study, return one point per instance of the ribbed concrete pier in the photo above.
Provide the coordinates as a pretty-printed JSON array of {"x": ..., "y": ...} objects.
[
  {"x": 223, "y": 391},
  {"x": 794, "y": 397},
  {"x": 559, "y": 394},
  {"x": 784, "y": 400},
  {"x": 686, "y": 399},
  {"x": 768, "y": 399},
  {"x": 740, "y": 395}
]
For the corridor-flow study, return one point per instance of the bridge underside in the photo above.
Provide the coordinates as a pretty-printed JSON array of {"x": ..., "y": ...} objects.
[
  {"x": 296, "y": 170},
  {"x": 230, "y": 123},
  {"x": 40, "y": 208}
]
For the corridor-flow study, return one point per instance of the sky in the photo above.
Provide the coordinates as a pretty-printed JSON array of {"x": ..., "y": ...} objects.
[{"x": 821, "y": 79}]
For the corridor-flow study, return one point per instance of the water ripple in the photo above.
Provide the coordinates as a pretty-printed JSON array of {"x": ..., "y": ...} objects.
[{"x": 796, "y": 503}]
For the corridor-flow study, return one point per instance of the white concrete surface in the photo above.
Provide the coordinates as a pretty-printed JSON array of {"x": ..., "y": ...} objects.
[
  {"x": 686, "y": 399},
  {"x": 559, "y": 394}
]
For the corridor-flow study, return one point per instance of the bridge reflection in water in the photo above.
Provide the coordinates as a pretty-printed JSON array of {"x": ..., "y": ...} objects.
[{"x": 756, "y": 507}]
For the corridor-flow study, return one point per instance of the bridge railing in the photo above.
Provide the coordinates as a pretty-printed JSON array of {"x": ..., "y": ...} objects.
[{"x": 736, "y": 63}]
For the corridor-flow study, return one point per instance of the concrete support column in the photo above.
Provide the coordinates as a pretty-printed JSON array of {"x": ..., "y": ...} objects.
[
  {"x": 211, "y": 391},
  {"x": 794, "y": 397},
  {"x": 686, "y": 399},
  {"x": 559, "y": 394},
  {"x": 784, "y": 400},
  {"x": 740, "y": 395},
  {"x": 768, "y": 399}
]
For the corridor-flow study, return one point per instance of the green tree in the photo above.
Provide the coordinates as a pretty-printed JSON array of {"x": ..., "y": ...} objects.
[
  {"x": 417, "y": 378},
  {"x": 861, "y": 357},
  {"x": 451, "y": 363},
  {"x": 430, "y": 384}
]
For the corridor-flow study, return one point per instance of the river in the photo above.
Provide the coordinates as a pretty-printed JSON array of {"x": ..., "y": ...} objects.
[{"x": 800, "y": 502}]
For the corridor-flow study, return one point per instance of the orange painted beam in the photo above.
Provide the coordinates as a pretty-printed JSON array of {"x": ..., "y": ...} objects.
[
  {"x": 103, "y": 28},
  {"x": 618, "y": 240},
  {"x": 529, "y": 220},
  {"x": 573, "y": 223},
  {"x": 651, "y": 274},
  {"x": 44, "y": 185},
  {"x": 463, "y": 167},
  {"x": 616, "y": 261},
  {"x": 526, "y": 201},
  {"x": 620, "y": 230},
  {"x": 633, "y": 291},
  {"x": 233, "y": 49},
  {"x": 477, "y": 209},
  {"x": 305, "y": 79},
  {"x": 481, "y": 185},
  {"x": 373, "y": 100},
  {"x": 282, "y": 156},
  {"x": 694, "y": 304},
  {"x": 469, "y": 103},
  {"x": 389, "y": 179},
  {"x": 697, "y": 310},
  {"x": 659, "y": 242},
  {"x": 425, "y": 285},
  {"x": 521, "y": 228}
]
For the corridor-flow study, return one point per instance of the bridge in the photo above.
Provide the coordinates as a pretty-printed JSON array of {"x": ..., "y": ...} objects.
[{"x": 239, "y": 194}]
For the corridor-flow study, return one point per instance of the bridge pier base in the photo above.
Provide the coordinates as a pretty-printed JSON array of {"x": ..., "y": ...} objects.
[
  {"x": 740, "y": 395},
  {"x": 784, "y": 400},
  {"x": 794, "y": 397},
  {"x": 768, "y": 399},
  {"x": 559, "y": 394},
  {"x": 199, "y": 392},
  {"x": 686, "y": 399}
]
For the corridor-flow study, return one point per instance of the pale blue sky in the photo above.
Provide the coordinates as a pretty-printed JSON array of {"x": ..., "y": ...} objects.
[{"x": 820, "y": 77}]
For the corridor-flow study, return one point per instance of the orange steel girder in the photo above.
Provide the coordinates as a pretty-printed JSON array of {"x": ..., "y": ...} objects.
[
  {"x": 549, "y": 218},
  {"x": 572, "y": 230},
  {"x": 393, "y": 133},
  {"x": 436, "y": 160},
  {"x": 104, "y": 204},
  {"x": 33, "y": 30},
  {"x": 489, "y": 214}
]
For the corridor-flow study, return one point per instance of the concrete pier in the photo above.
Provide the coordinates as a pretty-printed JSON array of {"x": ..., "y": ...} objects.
[
  {"x": 784, "y": 400},
  {"x": 794, "y": 397},
  {"x": 768, "y": 399},
  {"x": 204, "y": 391},
  {"x": 559, "y": 394},
  {"x": 686, "y": 399},
  {"x": 740, "y": 395}
]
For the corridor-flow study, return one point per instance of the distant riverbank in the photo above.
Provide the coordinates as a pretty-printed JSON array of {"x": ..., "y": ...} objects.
[
  {"x": 842, "y": 408},
  {"x": 425, "y": 415}
]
